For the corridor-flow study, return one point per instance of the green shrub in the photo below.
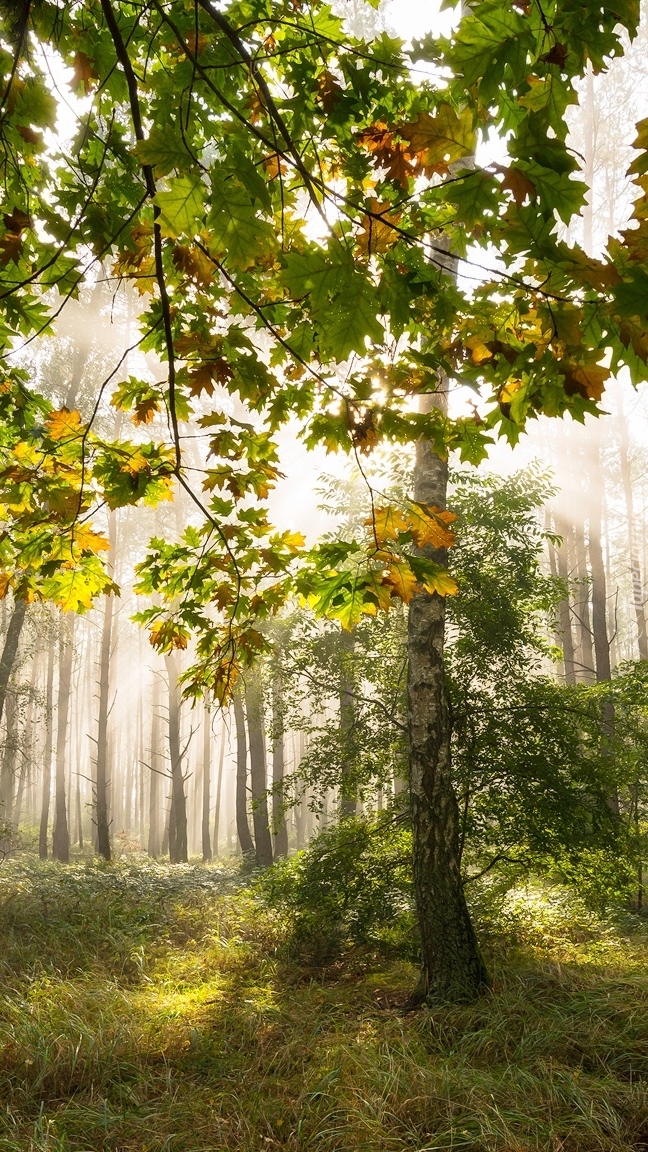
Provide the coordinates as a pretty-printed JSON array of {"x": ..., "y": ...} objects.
[{"x": 351, "y": 888}]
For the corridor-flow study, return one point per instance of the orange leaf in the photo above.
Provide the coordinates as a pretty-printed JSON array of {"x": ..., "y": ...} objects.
[
  {"x": 401, "y": 580},
  {"x": 64, "y": 424},
  {"x": 84, "y": 72}
]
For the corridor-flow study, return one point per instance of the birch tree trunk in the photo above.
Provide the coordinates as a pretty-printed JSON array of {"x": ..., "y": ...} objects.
[
  {"x": 103, "y": 817},
  {"x": 258, "y": 770},
  {"x": 452, "y": 967},
  {"x": 219, "y": 789},
  {"x": 348, "y": 789},
  {"x": 153, "y": 847},
  {"x": 279, "y": 827}
]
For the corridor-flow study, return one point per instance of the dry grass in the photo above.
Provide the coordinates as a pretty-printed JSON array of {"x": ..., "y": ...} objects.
[{"x": 144, "y": 1010}]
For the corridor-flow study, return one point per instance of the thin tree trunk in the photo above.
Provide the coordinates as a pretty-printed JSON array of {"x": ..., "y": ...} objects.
[
  {"x": 61, "y": 835},
  {"x": 599, "y": 604},
  {"x": 103, "y": 816},
  {"x": 348, "y": 789},
  {"x": 635, "y": 566},
  {"x": 564, "y": 612},
  {"x": 206, "y": 782},
  {"x": 9, "y": 756},
  {"x": 242, "y": 826},
  {"x": 155, "y": 769},
  {"x": 258, "y": 770},
  {"x": 178, "y": 814},
  {"x": 219, "y": 789},
  {"x": 47, "y": 754},
  {"x": 278, "y": 769},
  {"x": 452, "y": 967},
  {"x": 585, "y": 667}
]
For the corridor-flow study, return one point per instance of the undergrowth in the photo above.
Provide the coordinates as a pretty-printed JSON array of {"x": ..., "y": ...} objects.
[{"x": 153, "y": 1009}]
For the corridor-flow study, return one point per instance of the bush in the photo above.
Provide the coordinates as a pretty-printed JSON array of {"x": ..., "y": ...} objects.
[{"x": 350, "y": 889}]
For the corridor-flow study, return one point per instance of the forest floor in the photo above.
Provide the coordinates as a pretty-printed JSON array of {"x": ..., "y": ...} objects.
[{"x": 146, "y": 1009}]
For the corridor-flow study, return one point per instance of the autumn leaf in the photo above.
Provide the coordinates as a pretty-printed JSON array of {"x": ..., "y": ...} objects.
[
  {"x": 329, "y": 91},
  {"x": 84, "y": 72},
  {"x": 387, "y": 523},
  {"x": 167, "y": 635},
  {"x": 588, "y": 380},
  {"x": 429, "y": 525},
  {"x": 87, "y": 540},
  {"x": 440, "y": 139},
  {"x": 390, "y": 153},
  {"x": 400, "y": 579},
  {"x": 377, "y": 233},
  {"x": 11, "y": 247},
  {"x": 63, "y": 424},
  {"x": 515, "y": 182},
  {"x": 5, "y": 584}
]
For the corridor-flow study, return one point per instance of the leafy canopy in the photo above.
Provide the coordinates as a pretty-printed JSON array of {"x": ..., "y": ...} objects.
[{"x": 292, "y": 205}]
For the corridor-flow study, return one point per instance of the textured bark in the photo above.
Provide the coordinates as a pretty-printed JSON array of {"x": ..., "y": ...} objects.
[
  {"x": 279, "y": 828},
  {"x": 599, "y": 604},
  {"x": 258, "y": 771},
  {"x": 348, "y": 789},
  {"x": 47, "y": 754},
  {"x": 9, "y": 756},
  {"x": 153, "y": 846},
  {"x": 61, "y": 834},
  {"x": 206, "y": 789},
  {"x": 585, "y": 665},
  {"x": 178, "y": 814},
  {"x": 452, "y": 967},
  {"x": 102, "y": 812},
  {"x": 242, "y": 827}
]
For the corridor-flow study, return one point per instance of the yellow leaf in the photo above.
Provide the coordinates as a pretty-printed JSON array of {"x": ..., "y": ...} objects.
[
  {"x": 401, "y": 580},
  {"x": 63, "y": 424},
  {"x": 429, "y": 525},
  {"x": 387, "y": 523},
  {"x": 88, "y": 540},
  {"x": 442, "y": 583}
]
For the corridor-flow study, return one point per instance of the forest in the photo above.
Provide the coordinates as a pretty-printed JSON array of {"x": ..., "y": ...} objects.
[{"x": 323, "y": 571}]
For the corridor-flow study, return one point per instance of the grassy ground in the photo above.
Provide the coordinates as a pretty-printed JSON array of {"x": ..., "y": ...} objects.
[{"x": 143, "y": 1009}]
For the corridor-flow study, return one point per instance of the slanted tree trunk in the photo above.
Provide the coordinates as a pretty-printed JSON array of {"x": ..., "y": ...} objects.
[
  {"x": 155, "y": 770},
  {"x": 103, "y": 817},
  {"x": 452, "y": 967},
  {"x": 47, "y": 754},
  {"x": 279, "y": 827},
  {"x": 258, "y": 770},
  {"x": 61, "y": 835},
  {"x": 242, "y": 827},
  {"x": 10, "y": 649},
  {"x": 348, "y": 788},
  {"x": 635, "y": 566},
  {"x": 178, "y": 814},
  {"x": 206, "y": 781},
  {"x": 9, "y": 756}
]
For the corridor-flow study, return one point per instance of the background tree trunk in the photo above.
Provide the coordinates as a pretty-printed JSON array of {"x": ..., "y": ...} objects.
[
  {"x": 635, "y": 566},
  {"x": 61, "y": 835},
  {"x": 153, "y": 847},
  {"x": 279, "y": 827},
  {"x": 206, "y": 781},
  {"x": 178, "y": 814},
  {"x": 219, "y": 788},
  {"x": 10, "y": 649},
  {"x": 258, "y": 771},
  {"x": 242, "y": 826},
  {"x": 348, "y": 789},
  {"x": 47, "y": 754},
  {"x": 103, "y": 817}
]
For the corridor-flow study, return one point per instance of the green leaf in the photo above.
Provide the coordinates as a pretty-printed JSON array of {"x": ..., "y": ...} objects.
[
  {"x": 163, "y": 150},
  {"x": 631, "y": 296},
  {"x": 182, "y": 206},
  {"x": 238, "y": 232},
  {"x": 556, "y": 190}
]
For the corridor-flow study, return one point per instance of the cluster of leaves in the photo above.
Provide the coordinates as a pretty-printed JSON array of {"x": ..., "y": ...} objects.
[{"x": 211, "y": 143}]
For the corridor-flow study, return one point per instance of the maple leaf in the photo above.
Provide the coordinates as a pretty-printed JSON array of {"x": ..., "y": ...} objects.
[
  {"x": 377, "y": 233},
  {"x": 515, "y": 182},
  {"x": 182, "y": 205},
  {"x": 440, "y": 139},
  {"x": 63, "y": 424},
  {"x": 556, "y": 55},
  {"x": 400, "y": 579},
  {"x": 167, "y": 635},
  {"x": 87, "y": 540},
  {"x": 11, "y": 247},
  {"x": 587, "y": 380},
  {"x": 206, "y": 375},
  {"x": 390, "y": 153},
  {"x": 387, "y": 523},
  {"x": 5, "y": 584},
  {"x": 84, "y": 72},
  {"x": 429, "y": 525},
  {"x": 328, "y": 91},
  {"x": 193, "y": 262},
  {"x": 17, "y": 221}
]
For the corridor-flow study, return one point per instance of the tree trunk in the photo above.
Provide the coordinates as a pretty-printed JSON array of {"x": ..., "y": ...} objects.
[
  {"x": 452, "y": 967},
  {"x": 348, "y": 789},
  {"x": 10, "y": 650},
  {"x": 155, "y": 770},
  {"x": 61, "y": 835},
  {"x": 564, "y": 612},
  {"x": 635, "y": 567},
  {"x": 278, "y": 769},
  {"x": 206, "y": 781},
  {"x": 219, "y": 788},
  {"x": 47, "y": 755},
  {"x": 258, "y": 770},
  {"x": 599, "y": 604},
  {"x": 103, "y": 817},
  {"x": 9, "y": 756},
  {"x": 585, "y": 666},
  {"x": 178, "y": 813},
  {"x": 242, "y": 826}
]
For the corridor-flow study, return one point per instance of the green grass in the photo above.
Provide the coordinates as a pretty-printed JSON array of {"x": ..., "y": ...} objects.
[{"x": 145, "y": 1009}]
